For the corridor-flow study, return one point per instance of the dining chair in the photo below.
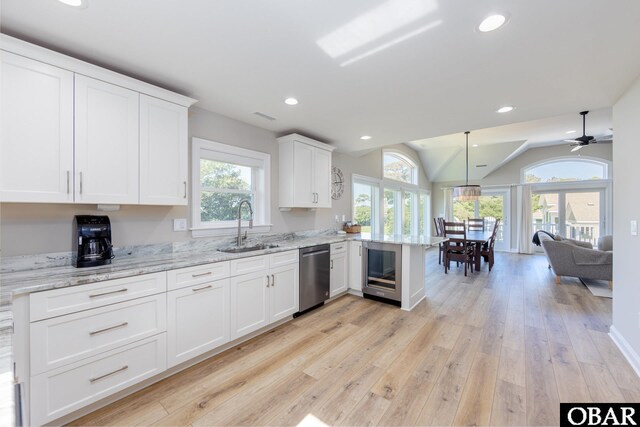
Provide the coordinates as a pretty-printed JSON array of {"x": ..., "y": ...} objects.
[
  {"x": 457, "y": 248},
  {"x": 487, "y": 252},
  {"x": 438, "y": 223},
  {"x": 475, "y": 224}
]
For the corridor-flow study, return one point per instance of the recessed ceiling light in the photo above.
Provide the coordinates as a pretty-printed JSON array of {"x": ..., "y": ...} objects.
[
  {"x": 365, "y": 137},
  {"x": 570, "y": 131},
  {"x": 474, "y": 145},
  {"x": 74, "y": 3},
  {"x": 491, "y": 23},
  {"x": 505, "y": 109},
  {"x": 291, "y": 101}
]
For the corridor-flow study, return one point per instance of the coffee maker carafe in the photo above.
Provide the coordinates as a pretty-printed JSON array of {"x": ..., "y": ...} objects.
[{"x": 91, "y": 241}]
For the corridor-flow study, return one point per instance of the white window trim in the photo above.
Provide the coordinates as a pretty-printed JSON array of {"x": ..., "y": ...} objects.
[
  {"x": 262, "y": 219},
  {"x": 401, "y": 155}
]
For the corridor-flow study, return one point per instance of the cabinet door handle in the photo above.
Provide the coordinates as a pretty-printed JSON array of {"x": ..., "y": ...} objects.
[
  {"x": 332, "y": 264},
  {"x": 268, "y": 284},
  {"x": 99, "y": 331},
  {"x": 201, "y": 274},
  {"x": 108, "y": 293},
  {"x": 359, "y": 250},
  {"x": 317, "y": 197},
  {"x": 185, "y": 189},
  {"x": 68, "y": 182},
  {"x": 273, "y": 281},
  {"x": 80, "y": 182},
  {"x": 93, "y": 380},
  {"x": 201, "y": 288}
]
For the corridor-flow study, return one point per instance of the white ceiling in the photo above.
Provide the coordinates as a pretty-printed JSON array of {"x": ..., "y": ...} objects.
[{"x": 398, "y": 70}]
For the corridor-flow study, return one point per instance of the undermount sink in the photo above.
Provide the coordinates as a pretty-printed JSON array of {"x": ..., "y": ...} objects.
[{"x": 240, "y": 249}]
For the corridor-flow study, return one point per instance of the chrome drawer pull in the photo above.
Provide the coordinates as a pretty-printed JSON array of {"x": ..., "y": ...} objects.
[
  {"x": 93, "y": 380},
  {"x": 201, "y": 288},
  {"x": 108, "y": 293},
  {"x": 201, "y": 274},
  {"x": 121, "y": 325}
]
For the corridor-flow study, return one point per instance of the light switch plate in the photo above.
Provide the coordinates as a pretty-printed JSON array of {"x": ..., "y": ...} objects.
[
  {"x": 180, "y": 224},
  {"x": 634, "y": 227}
]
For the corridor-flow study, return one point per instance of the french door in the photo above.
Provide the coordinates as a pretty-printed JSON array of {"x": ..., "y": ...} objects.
[
  {"x": 494, "y": 204},
  {"x": 574, "y": 214}
]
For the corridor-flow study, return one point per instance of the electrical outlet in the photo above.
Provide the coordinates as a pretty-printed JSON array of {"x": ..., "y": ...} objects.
[
  {"x": 634, "y": 227},
  {"x": 180, "y": 224}
]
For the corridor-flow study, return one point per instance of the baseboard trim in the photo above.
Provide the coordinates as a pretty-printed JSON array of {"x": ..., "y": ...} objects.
[{"x": 627, "y": 351}]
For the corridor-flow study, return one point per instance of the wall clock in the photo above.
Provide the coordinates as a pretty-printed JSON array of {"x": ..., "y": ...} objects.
[{"x": 337, "y": 183}]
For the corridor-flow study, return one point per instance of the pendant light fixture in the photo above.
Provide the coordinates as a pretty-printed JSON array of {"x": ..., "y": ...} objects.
[{"x": 466, "y": 191}]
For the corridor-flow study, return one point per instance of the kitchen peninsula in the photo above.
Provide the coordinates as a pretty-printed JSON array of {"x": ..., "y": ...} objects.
[{"x": 138, "y": 297}]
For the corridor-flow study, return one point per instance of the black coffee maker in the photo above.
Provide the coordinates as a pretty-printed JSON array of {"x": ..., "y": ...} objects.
[{"x": 91, "y": 241}]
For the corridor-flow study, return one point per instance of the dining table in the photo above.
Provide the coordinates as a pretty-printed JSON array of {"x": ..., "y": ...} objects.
[{"x": 479, "y": 237}]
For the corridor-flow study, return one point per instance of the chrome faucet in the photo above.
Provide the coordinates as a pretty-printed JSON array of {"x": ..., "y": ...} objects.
[{"x": 240, "y": 238}]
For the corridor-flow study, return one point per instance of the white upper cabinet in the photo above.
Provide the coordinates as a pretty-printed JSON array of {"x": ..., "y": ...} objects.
[
  {"x": 36, "y": 140},
  {"x": 106, "y": 128},
  {"x": 163, "y": 152},
  {"x": 305, "y": 172},
  {"x": 73, "y": 132}
]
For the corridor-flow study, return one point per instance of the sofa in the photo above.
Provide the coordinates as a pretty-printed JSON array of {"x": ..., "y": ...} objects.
[{"x": 573, "y": 258}]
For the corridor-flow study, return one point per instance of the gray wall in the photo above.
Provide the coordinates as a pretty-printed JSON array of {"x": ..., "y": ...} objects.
[
  {"x": 626, "y": 207},
  {"x": 41, "y": 228},
  {"x": 510, "y": 174}
]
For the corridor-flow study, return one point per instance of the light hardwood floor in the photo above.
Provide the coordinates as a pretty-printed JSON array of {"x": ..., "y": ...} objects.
[{"x": 499, "y": 348}]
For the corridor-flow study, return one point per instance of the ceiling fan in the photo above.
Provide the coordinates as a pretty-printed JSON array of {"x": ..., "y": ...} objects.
[{"x": 584, "y": 140}]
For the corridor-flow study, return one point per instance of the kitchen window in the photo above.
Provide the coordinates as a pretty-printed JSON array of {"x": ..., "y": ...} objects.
[{"x": 222, "y": 176}]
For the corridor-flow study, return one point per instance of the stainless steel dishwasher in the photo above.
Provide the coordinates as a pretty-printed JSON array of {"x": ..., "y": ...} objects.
[{"x": 314, "y": 277}]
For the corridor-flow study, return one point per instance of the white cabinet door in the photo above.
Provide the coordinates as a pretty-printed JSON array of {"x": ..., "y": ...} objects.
[
  {"x": 249, "y": 303},
  {"x": 106, "y": 139},
  {"x": 355, "y": 266},
  {"x": 338, "y": 274},
  {"x": 303, "y": 190},
  {"x": 284, "y": 291},
  {"x": 36, "y": 136},
  {"x": 198, "y": 320},
  {"x": 322, "y": 178},
  {"x": 163, "y": 152}
]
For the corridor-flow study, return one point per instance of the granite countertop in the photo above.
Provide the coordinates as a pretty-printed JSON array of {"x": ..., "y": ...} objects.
[{"x": 35, "y": 273}]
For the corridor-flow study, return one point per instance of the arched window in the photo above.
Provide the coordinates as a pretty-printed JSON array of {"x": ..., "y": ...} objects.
[
  {"x": 565, "y": 170},
  {"x": 399, "y": 167}
]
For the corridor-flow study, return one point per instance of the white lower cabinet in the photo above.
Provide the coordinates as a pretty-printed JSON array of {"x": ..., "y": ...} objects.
[
  {"x": 89, "y": 342},
  {"x": 355, "y": 262},
  {"x": 339, "y": 269},
  {"x": 197, "y": 320},
  {"x": 63, "y": 390},
  {"x": 265, "y": 296}
]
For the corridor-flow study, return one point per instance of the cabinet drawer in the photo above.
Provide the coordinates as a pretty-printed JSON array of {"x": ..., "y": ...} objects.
[
  {"x": 283, "y": 258},
  {"x": 189, "y": 276},
  {"x": 44, "y": 305},
  {"x": 338, "y": 248},
  {"x": 64, "y": 390},
  {"x": 65, "y": 339},
  {"x": 249, "y": 265}
]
